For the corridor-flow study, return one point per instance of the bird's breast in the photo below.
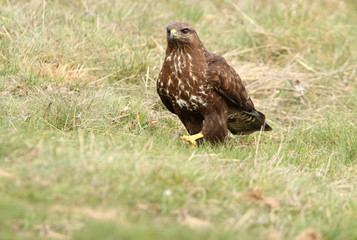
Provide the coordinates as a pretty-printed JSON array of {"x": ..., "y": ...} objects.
[{"x": 183, "y": 81}]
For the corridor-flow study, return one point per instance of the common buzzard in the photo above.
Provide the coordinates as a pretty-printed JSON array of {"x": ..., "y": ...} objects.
[{"x": 203, "y": 90}]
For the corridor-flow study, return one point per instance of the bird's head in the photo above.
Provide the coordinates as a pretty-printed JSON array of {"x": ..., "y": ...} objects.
[{"x": 182, "y": 34}]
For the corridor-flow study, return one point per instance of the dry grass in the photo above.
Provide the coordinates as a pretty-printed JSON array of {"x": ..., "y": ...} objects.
[{"x": 88, "y": 150}]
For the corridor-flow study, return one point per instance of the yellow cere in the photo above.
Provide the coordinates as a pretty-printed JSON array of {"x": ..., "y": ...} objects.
[{"x": 174, "y": 31}]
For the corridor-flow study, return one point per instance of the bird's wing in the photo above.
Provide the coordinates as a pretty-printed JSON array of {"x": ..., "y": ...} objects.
[
  {"x": 227, "y": 82},
  {"x": 164, "y": 99}
]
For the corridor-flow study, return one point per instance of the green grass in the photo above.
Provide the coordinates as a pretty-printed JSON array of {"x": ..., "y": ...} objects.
[{"x": 88, "y": 151}]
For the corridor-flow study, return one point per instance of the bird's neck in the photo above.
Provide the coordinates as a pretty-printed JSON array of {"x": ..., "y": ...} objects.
[
  {"x": 186, "y": 63},
  {"x": 193, "y": 54}
]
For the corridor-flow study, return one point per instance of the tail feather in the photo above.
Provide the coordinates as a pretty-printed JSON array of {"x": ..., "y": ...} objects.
[
  {"x": 266, "y": 126},
  {"x": 244, "y": 122}
]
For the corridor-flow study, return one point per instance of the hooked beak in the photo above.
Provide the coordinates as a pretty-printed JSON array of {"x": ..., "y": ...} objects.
[{"x": 173, "y": 34}]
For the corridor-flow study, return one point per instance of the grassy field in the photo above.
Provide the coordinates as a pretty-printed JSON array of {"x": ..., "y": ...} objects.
[{"x": 88, "y": 151}]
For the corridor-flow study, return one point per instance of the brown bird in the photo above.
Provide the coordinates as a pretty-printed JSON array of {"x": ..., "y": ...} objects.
[{"x": 205, "y": 92}]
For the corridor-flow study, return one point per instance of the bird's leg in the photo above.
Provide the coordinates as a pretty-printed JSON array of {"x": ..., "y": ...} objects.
[{"x": 192, "y": 138}]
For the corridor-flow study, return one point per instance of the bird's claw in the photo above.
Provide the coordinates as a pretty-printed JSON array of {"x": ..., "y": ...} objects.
[{"x": 191, "y": 139}]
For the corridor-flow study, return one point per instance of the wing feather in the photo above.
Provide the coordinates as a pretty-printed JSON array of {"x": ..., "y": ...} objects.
[{"x": 227, "y": 82}]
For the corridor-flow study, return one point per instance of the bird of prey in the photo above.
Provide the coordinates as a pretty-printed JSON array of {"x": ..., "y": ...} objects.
[{"x": 204, "y": 91}]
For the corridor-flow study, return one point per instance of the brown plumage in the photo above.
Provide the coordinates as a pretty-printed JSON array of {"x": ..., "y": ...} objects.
[{"x": 203, "y": 90}]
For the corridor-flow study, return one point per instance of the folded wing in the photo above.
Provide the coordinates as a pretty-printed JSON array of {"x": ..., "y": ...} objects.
[{"x": 244, "y": 118}]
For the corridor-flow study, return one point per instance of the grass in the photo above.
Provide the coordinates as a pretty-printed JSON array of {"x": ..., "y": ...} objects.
[{"x": 89, "y": 152}]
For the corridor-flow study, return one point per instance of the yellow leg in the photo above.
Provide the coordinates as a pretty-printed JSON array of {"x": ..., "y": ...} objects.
[{"x": 192, "y": 138}]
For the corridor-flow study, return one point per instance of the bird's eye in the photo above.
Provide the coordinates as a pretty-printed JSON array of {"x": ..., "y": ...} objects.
[
  {"x": 168, "y": 32},
  {"x": 185, "y": 30}
]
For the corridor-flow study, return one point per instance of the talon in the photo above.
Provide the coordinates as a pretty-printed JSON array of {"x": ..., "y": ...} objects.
[{"x": 192, "y": 139}]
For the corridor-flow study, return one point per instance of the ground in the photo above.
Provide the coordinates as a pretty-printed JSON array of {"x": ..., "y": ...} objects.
[{"x": 89, "y": 152}]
